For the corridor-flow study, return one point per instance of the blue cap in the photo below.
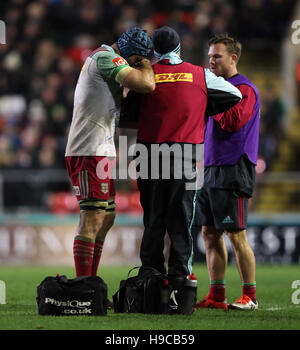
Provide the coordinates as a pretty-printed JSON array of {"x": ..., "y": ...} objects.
[{"x": 134, "y": 41}]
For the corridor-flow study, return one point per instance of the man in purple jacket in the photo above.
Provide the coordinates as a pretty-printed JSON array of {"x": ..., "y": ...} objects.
[{"x": 230, "y": 156}]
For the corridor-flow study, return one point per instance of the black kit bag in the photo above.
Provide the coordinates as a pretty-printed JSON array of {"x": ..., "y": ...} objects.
[
  {"x": 61, "y": 296},
  {"x": 147, "y": 293}
]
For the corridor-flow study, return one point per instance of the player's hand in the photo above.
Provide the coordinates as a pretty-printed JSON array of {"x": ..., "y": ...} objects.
[{"x": 138, "y": 61}]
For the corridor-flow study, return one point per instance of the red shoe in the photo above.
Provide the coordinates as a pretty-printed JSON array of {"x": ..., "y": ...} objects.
[{"x": 208, "y": 303}]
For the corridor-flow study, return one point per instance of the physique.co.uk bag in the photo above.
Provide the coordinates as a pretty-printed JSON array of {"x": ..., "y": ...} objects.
[{"x": 79, "y": 296}]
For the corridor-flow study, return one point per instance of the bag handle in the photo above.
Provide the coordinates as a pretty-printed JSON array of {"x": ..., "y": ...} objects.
[
  {"x": 129, "y": 272},
  {"x": 152, "y": 269},
  {"x": 64, "y": 280},
  {"x": 117, "y": 296}
]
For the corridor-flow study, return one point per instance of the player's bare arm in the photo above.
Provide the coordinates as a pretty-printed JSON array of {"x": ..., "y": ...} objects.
[{"x": 141, "y": 78}]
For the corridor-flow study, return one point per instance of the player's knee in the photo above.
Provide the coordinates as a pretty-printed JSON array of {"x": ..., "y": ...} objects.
[
  {"x": 237, "y": 238},
  {"x": 91, "y": 222},
  {"x": 109, "y": 221},
  {"x": 211, "y": 236}
]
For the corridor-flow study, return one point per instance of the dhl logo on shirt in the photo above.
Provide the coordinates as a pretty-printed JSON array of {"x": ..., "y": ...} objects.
[{"x": 173, "y": 77}]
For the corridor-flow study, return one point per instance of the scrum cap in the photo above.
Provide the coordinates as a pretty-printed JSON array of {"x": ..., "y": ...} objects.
[{"x": 134, "y": 41}]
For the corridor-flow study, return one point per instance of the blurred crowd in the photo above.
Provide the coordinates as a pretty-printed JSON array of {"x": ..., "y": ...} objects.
[
  {"x": 271, "y": 126},
  {"x": 48, "y": 40}
]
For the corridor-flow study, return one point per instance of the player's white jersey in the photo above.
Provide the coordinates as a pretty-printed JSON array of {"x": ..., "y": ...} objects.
[{"x": 97, "y": 102}]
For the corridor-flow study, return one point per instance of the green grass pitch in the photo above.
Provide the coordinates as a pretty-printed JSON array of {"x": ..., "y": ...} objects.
[{"x": 277, "y": 311}]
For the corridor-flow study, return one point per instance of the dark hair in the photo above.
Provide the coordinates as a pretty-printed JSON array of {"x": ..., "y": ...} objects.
[{"x": 232, "y": 45}]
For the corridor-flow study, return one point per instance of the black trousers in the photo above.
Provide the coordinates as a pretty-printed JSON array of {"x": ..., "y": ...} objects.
[{"x": 168, "y": 207}]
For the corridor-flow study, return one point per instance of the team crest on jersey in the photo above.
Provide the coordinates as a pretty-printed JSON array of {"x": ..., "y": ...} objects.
[
  {"x": 173, "y": 77},
  {"x": 104, "y": 188},
  {"x": 76, "y": 190},
  {"x": 119, "y": 61}
]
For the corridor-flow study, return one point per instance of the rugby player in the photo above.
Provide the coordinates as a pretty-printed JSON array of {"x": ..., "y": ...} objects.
[
  {"x": 230, "y": 156},
  {"x": 97, "y": 101}
]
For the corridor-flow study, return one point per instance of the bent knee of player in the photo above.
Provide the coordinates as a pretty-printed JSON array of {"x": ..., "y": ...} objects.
[
  {"x": 110, "y": 214},
  {"x": 211, "y": 235},
  {"x": 238, "y": 238},
  {"x": 108, "y": 221},
  {"x": 91, "y": 222},
  {"x": 109, "y": 218}
]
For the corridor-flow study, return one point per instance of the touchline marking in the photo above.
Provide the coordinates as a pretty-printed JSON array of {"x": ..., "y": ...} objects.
[
  {"x": 272, "y": 307},
  {"x": 277, "y": 307}
]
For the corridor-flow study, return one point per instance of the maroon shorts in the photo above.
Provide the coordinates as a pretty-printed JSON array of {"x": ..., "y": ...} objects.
[{"x": 91, "y": 177}]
